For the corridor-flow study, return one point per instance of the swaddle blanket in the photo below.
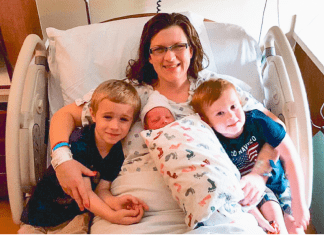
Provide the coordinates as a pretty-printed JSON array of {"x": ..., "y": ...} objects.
[{"x": 196, "y": 168}]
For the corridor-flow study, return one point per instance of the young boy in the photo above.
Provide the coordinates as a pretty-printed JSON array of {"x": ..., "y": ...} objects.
[
  {"x": 243, "y": 135},
  {"x": 115, "y": 105}
]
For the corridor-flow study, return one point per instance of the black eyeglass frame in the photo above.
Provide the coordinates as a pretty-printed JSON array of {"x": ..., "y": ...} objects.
[{"x": 168, "y": 48}]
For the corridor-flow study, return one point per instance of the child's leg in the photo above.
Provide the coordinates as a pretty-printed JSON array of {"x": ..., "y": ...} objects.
[
  {"x": 271, "y": 211},
  {"x": 78, "y": 225},
  {"x": 29, "y": 229},
  {"x": 290, "y": 224}
]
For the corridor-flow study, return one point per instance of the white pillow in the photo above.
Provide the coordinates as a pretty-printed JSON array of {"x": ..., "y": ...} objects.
[
  {"x": 81, "y": 58},
  {"x": 196, "y": 168},
  {"x": 237, "y": 54}
]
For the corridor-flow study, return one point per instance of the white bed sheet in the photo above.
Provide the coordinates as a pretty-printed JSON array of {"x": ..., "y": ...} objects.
[{"x": 165, "y": 216}]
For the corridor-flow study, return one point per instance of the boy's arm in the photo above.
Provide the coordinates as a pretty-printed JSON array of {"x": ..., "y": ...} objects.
[
  {"x": 294, "y": 173},
  {"x": 253, "y": 184},
  {"x": 100, "y": 208},
  {"x": 117, "y": 203}
]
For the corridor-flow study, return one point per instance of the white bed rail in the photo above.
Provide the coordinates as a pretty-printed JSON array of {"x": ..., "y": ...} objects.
[
  {"x": 20, "y": 122},
  {"x": 296, "y": 103}
]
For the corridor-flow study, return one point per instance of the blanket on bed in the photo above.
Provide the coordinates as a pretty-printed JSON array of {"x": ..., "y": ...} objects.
[{"x": 164, "y": 216}]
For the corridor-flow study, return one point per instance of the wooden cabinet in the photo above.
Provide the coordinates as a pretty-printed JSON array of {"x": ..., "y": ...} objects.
[
  {"x": 18, "y": 19},
  {"x": 3, "y": 178}
]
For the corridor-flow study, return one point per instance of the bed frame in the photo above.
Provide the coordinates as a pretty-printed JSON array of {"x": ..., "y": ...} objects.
[{"x": 28, "y": 112}]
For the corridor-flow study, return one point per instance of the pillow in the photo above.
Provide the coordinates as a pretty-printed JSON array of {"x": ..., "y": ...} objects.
[
  {"x": 81, "y": 58},
  {"x": 195, "y": 167},
  {"x": 237, "y": 54}
]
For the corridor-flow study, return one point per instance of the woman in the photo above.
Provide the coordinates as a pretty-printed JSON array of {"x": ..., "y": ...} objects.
[{"x": 170, "y": 61}]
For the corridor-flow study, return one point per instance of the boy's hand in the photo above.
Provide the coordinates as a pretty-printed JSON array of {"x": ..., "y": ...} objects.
[
  {"x": 301, "y": 214},
  {"x": 127, "y": 202},
  {"x": 253, "y": 186},
  {"x": 69, "y": 175},
  {"x": 127, "y": 217}
]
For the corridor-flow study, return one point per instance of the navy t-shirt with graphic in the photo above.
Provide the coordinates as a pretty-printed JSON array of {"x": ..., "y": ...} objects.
[
  {"x": 243, "y": 151},
  {"x": 49, "y": 205}
]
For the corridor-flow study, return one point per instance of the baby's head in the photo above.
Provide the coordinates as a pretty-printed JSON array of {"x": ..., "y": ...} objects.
[
  {"x": 115, "y": 106},
  {"x": 157, "y": 112},
  {"x": 218, "y": 104}
]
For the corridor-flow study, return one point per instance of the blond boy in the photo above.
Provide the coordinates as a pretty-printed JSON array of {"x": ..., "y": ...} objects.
[{"x": 115, "y": 105}]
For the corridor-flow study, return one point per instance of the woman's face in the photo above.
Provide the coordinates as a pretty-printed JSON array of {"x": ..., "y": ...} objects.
[{"x": 171, "y": 66}]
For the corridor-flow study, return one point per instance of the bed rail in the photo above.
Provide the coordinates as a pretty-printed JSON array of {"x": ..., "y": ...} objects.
[
  {"x": 296, "y": 106},
  {"x": 27, "y": 104}
]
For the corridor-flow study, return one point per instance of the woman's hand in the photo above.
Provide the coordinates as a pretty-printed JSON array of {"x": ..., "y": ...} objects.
[
  {"x": 69, "y": 175},
  {"x": 253, "y": 186}
]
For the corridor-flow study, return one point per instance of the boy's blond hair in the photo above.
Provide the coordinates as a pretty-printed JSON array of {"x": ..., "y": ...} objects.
[
  {"x": 117, "y": 91},
  {"x": 207, "y": 93}
]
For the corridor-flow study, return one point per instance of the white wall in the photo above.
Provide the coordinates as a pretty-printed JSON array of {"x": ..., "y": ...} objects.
[
  {"x": 61, "y": 14},
  {"x": 64, "y": 14},
  {"x": 247, "y": 13}
]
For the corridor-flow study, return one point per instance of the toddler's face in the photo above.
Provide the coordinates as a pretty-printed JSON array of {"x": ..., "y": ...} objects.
[
  {"x": 113, "y": 121},
  {"x": 226, "y": 115},
  {"x": 158, "y": 117}
]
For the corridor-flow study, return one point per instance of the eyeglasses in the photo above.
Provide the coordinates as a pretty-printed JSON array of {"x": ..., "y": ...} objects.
[{"x": 176, "y": 48}]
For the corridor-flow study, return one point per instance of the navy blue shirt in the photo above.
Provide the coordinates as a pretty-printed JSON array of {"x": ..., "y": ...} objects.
[
  {"x": 49, "y": 205},
  {"x": 243, "y": 151}
]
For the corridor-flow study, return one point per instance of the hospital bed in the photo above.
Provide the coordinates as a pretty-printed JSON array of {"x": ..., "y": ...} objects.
[{"x": 46, "y": 77}]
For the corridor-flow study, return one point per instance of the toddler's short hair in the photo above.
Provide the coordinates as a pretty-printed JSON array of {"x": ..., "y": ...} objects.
[
  {"x": 207, "y": 93},
  {"x": 117, "y": 91}
]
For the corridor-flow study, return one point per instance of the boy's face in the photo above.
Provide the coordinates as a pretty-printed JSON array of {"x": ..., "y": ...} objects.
[
  {"x": 113, "y": 121},
  {"x": 157, "y": 118},
  {"x": 226, "y": 115}
]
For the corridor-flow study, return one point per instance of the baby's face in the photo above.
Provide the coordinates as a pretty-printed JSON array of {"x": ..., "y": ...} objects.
[
  {"x": 226, "y": 115},
  {"x": 158, "y": 117}
]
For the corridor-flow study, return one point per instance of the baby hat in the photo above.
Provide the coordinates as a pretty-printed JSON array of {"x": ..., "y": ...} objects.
[{"x": 155, "y": 100}]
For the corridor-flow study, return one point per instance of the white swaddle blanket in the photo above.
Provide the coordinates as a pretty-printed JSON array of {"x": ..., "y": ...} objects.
[{"x": 194, "y": 165}]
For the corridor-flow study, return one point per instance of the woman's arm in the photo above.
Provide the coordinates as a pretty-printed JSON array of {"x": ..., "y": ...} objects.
[
  {"x": 63, "y": 122},
  {"x": 253, "y": 184},
  {"x": 294, "y": 173},
  {"x": 69, "y": 173}
]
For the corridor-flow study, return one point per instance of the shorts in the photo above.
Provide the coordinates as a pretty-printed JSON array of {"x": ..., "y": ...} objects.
[
  {"x": 284, "y": 199},
  {"x": 80, "y": 224}
]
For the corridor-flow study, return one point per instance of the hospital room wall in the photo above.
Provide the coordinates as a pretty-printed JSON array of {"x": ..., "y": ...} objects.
[{"x": 63, "y": 14}]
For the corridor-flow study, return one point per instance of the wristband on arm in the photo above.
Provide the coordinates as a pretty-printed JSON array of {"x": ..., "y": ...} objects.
[
  {"x": 60, "y": 144},
  {"x": 60, "y": 155}
]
